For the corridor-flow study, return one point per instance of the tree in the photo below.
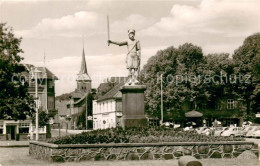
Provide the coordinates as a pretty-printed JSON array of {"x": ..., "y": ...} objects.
[
  {"x": 247, "y": 63},
  {"x": 15, "y": 102},
  {"x": 174, "y": 64},
  {"x": 43, "y": 118},
  {"x": 81, "y": 120}
]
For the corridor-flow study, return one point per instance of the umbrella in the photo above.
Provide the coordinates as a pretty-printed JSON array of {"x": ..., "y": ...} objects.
[{"x": 193, "y": 114}]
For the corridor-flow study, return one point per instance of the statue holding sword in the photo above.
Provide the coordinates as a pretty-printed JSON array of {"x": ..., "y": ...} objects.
[{"x": 133, "y": 57}]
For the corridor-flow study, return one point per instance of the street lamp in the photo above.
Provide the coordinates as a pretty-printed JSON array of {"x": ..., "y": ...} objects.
[
  {"x": 36, "y": 71},
  {"x": 68, "y": 118},
  {"x": 161, "y": 100}
]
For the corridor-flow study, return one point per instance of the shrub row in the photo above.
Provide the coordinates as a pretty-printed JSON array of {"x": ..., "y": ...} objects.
[{"x": 138, "y": 135}]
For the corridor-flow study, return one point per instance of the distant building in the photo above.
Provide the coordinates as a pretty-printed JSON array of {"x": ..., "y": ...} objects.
[
  {"x": 107, "y": 108},
  {"x": 46, "y": 88},
  {"x": 74, "y": 103},
  {"x": 226, "y": 110},
  {"x": 46, "y": 94}
]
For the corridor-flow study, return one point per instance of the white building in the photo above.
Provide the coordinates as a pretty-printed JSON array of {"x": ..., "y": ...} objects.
[{"x": 107, "y": 110}]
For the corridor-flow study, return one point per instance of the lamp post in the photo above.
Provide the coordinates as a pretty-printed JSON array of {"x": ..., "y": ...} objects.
[
  {"x": 36, "y": 71},
  {"x": 161, "y": 101},
  {"x": 86, "y": 112},
  {"x": 68, "y": 118}
]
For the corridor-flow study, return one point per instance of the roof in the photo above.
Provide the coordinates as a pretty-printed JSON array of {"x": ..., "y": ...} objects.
[
  {"x": 193, "y": 114},
  {"x": 108, "y": 85},
  {"x": 44, "y": 72},
  {"x": 77, "y": 93},
  {"x": 83, "y": 73},
  {"x": 81, "y": 99},
  {"x": 112, "y": 93}
]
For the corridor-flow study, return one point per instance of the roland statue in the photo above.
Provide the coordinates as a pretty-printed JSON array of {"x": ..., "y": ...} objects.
[{"x": 133, "y": 57}]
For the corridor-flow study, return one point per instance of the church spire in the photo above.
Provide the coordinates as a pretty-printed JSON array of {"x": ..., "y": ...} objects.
[
  {"x": 83, "y": 68},
  {"x": 83, "y": 73}
]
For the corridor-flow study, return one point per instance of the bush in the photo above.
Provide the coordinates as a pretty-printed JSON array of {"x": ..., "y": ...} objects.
[{"x": 137, "y": 135}]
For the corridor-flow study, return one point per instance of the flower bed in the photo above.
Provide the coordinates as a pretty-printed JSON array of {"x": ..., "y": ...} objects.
[
  {"x": 138, "y": 144},
  {"x": 138, "y": 135}
]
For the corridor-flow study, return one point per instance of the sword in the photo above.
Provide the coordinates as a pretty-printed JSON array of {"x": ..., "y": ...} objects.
[{"x": 108, "y": 34}]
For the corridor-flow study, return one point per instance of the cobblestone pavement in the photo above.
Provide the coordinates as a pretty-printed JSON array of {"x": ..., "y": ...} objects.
[{"x": 20, "y": 157}]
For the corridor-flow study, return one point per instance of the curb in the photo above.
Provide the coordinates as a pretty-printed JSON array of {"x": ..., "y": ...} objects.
[{"x": 14, "y": 146}]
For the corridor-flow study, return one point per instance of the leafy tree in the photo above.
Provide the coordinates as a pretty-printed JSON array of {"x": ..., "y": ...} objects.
[
  {"x": 81, "y": 120},
  {"x": 43, "y": 118},
  {"x": 174, "y": 65},
  {"x": 247, "y": 62},
  {"x": 15, "y": 102},
  {"x": 220, "y": 68}
]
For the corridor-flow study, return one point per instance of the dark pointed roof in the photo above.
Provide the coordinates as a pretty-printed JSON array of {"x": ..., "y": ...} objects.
[
  {"x": 83, "y": 73},
  {"x": 44, "y": 72}
]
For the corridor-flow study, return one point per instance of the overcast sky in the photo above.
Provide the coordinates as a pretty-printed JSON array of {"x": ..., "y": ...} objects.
[{"x": 58, "y": 27}]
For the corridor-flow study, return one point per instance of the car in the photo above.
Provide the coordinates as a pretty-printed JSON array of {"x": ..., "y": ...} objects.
[
  {"x": 201, "y": 129},
  {"x": 253, "y": 129},
  {"x": 207, "y": 131},
  {"x": 232, "y": 131},
  {"x": 219, "y": 130},
  {"x": 168, "y": 125},
  {"x": 188, "y": 128},
  {"x": 246, "y": 130},
  {"x": 256, "y": 134}
]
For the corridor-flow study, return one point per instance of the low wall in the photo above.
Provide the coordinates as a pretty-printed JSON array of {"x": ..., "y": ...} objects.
[{"x": 138, "y": 151}]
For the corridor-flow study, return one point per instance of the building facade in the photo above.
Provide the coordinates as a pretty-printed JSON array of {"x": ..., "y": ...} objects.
[
  {"x": 107, "y": 109},
  {"x": 20, "y": 129}
]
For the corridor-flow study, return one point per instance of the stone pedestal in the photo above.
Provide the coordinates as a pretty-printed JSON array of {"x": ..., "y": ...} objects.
[{"x": 133, "y": 106}]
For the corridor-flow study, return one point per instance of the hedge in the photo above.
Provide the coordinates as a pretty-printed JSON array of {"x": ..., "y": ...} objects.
[{"x": 138, "y": 135}]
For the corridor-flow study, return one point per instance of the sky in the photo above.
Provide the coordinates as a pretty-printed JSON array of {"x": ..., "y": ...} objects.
[{"x": 59, "y": 29}]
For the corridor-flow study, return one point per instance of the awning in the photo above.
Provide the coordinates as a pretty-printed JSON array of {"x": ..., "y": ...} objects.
[{"x": 193, "y": 114}]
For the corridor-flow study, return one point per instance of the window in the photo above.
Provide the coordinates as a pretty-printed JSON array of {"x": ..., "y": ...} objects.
[
  {"x": 24, "y": 127},
  {"x": 51, "y": 83},
  {"x": 230, "y": 104},
  {"x": 23, "y": 130},
  {"x": 24, "y": 124}
]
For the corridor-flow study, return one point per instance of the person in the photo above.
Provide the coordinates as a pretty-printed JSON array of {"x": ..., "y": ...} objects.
[{"x": 133, "y": 57}]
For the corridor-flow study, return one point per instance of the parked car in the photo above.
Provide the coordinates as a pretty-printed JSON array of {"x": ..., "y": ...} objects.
[
  {"x": 188, "y": 128},
  {"x": 168, "y": 124},
  {"x": 219, "y": 130},
  {"x": 232, "y": 131},
  {"x": 207, "y": 131},
  {"x": 246, "y": 130},
  {"x": 253, "y": 129},
  {"x": 200, "y": 129}
]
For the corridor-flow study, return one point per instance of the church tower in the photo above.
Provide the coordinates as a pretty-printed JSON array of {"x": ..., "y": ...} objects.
[{"x": 83, "y": 80}]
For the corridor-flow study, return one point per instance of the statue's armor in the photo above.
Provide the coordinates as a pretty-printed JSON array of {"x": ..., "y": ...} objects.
[{"x": 132, "y": 58}]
